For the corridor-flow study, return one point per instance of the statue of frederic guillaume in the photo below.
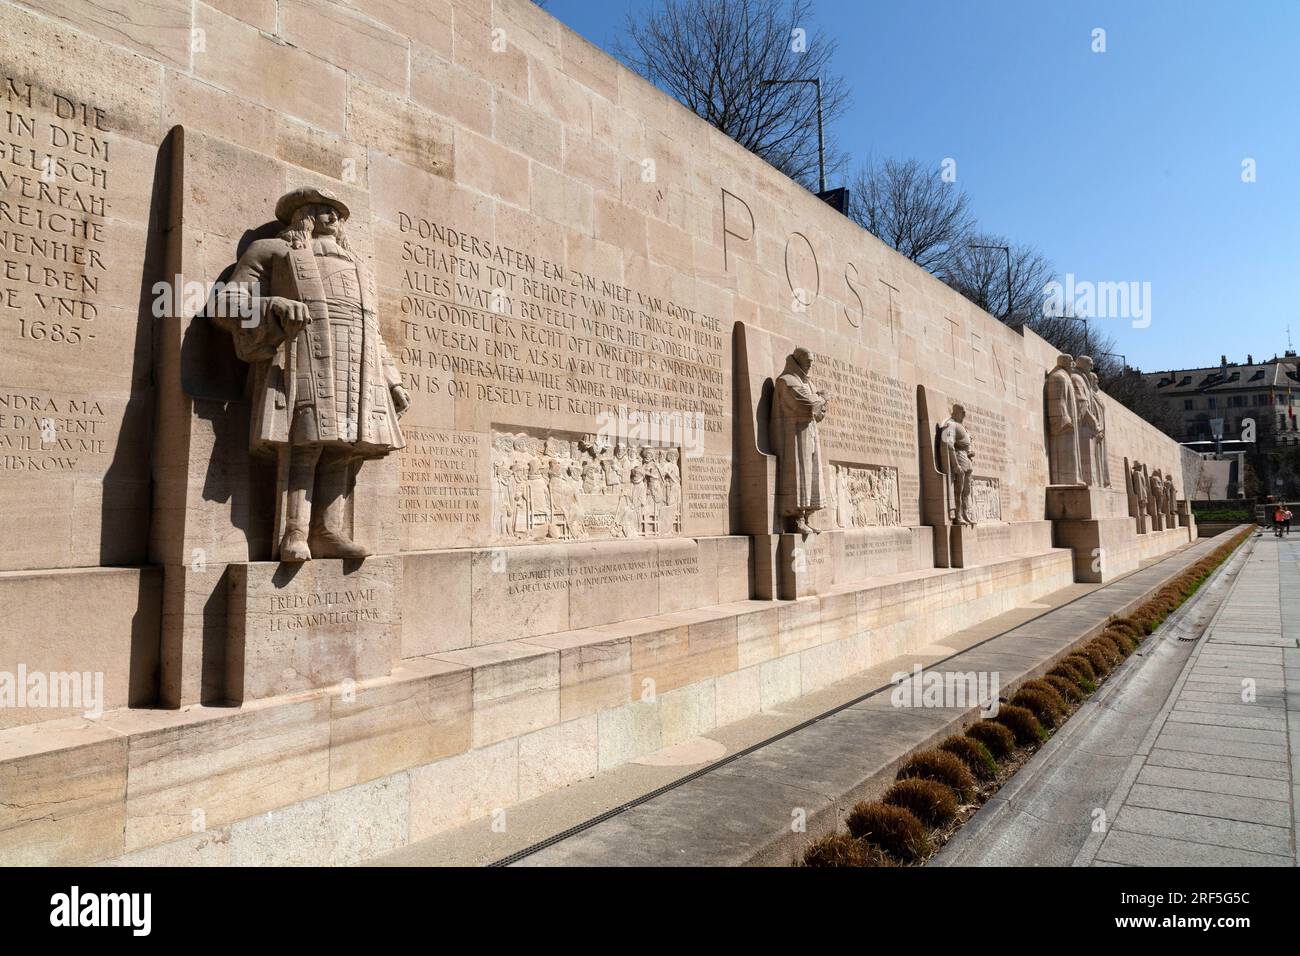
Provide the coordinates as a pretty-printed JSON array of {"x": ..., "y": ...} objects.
[{"x": 325, "y": 390}]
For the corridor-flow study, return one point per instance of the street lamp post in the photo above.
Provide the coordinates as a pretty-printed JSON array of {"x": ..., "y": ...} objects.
[
  {"x": 1007, "y": 250},
  {"x": 1084, "y": 320},
  {"x": 1122, "y": 357},
  {"x": 821, "y": 141}
]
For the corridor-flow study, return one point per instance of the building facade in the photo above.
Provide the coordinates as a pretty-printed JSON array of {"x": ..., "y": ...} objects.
[{"x": 1264, "y": 393}]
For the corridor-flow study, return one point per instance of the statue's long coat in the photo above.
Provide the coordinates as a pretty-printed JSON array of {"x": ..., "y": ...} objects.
[
  {"x": 793, "y": 431},
  {"x": 1085, "y": 427},
  {"x": 1062, "y": 444},
  {"x": 287, "y": 374}
]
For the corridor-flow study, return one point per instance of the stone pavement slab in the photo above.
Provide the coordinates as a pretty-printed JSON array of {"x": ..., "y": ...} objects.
[
  {"x": 1220, "y": 779},
  {"x": 1136, "y": 849},
  {"x": 1169, "y": 762}
]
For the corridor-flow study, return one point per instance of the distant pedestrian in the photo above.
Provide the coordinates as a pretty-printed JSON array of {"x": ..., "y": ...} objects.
[
  {"x": 1279, "y": 516},
  {"x": 1286, "y": 521}
]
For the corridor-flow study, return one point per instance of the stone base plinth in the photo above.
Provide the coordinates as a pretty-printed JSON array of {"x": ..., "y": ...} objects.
[
  {"x": 994, "y": 540},
  {"x": 296, "y": 627},
  {"x": 451, "y": 737},
  {"x": 1106, "y": 548},
  {"x": 790, "y": 566},
  {"x": 1083, "y": 504},
  {"x": 467, "y": 597},
  {"x": 1095, "y": 524}
]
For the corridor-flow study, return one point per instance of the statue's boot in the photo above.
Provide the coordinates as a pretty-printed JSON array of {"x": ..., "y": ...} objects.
[
  {"x": 328, "y": 537},
  {"x": 302, "y": 470}
]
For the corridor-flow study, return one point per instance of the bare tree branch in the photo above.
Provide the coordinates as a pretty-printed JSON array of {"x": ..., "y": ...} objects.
[
  {"x": 714, "y": 56},
  {"x": 911, "y": 209}
]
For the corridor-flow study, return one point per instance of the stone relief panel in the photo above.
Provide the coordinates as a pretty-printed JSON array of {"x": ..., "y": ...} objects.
[
  {"x": 986, "y": 499},
  {"x": 865, "y": 496},
  {"x": 566, "y": 487},
  {"x": 562, "y": 344},
  {"x": 874, "y": 421}
]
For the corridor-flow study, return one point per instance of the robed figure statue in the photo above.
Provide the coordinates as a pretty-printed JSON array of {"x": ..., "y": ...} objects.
[
  {"x": 797, "y": 407},
  {"x": 325, "y": 390}
]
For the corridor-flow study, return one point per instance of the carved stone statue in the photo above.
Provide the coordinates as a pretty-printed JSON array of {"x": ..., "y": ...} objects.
[
  {"x": 1101, "y": 464},
  {"x": 1086, "y": 423},
  {"x": 1138, "y": 482},
  {"x": 1062, "y": 422},
  {"x": 1171, "y": 499},
  {"x": 325, "y": 390},
  {"x": 1155, "y": 498},
  {"x": 797, "y": 407},
  {"x": 957, "y": 462}
]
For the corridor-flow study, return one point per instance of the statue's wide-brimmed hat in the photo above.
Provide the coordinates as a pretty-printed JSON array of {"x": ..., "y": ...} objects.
[{"x": 291, "y": 201}]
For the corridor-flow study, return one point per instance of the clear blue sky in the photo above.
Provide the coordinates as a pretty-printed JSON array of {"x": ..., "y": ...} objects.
[{"x": 1121, "y": 166}]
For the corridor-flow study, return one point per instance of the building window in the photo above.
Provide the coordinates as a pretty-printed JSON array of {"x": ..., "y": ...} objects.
[
  {"x": 1211, "y": 402},
  {"x": 1189, "y": 404}
]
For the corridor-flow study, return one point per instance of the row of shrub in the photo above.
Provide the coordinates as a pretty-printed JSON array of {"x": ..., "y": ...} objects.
[
  {"x": 1227, "y": 514},
  {"x": 932, "y": 785}
]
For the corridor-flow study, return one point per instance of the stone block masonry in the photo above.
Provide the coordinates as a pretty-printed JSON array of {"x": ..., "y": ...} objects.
[{"x": 386, "y": 424}]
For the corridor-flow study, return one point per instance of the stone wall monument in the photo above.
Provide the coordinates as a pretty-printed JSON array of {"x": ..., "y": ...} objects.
[{"x": 585, "y": 492}]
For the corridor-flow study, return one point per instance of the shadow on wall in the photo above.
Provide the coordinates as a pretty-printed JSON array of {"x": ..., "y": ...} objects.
[
  {"x": 145, "y": 671},
  {"x": 217, "y": 381},
  {"x": 125, "y": 504}
]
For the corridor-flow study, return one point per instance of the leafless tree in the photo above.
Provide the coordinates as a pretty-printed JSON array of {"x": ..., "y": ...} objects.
[
  {"x": 1077, "y": 336},
  {"x": 715, "y": 56},
  {"x": 911, "y": 209},
  {"x": 978, "y": 270}
]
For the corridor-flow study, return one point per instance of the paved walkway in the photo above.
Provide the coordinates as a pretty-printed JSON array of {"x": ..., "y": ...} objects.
[
  {"x": 1185, "y": 756},
  {"x": 1217, "y": 785}
]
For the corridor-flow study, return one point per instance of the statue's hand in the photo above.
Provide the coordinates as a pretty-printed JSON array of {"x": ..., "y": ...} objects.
[
  {"x": 401, "y": 400},
  {"x": 289, "y": 313}
]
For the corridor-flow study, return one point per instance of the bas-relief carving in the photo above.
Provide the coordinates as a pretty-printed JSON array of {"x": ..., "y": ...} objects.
[
  {"x": 325, "y": 391},
  {"x": 565, "y": 488},
  {"x": 1076, "y": 429},
  {"x": 865, "y": 496},
  {"x": 986, "y": 499},
  {"x": 797, "y": 406},
  {"x": 956, "y": 454}
]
